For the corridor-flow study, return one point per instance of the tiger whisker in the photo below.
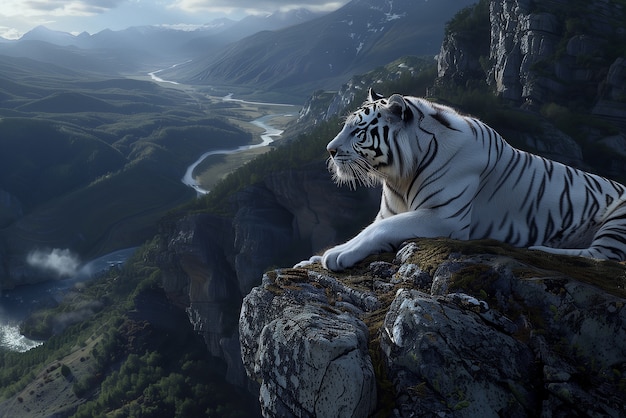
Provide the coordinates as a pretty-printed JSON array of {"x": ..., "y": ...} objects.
[{"x": 354, "y": 172}]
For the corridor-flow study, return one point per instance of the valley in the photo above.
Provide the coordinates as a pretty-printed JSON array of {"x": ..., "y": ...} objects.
[
  {"x": 116, "y": 199},
  {"x": 213, "y": 166},
  {"x": 264, "y": 120},
  {"x": 90, "y": 164}
]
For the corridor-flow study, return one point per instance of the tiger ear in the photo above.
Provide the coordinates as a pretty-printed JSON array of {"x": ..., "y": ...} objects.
[
  {"x": 372, "y": 96},
  {"x": 399, "y": 107}
]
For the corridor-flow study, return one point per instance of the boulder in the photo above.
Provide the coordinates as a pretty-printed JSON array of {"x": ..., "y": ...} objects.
[
  {"x": 310, "y": 358},
  {"x": 441, "y": 328}
]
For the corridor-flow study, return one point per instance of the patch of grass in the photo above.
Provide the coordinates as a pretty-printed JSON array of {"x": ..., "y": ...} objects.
[{"x": 608, "y": 275}]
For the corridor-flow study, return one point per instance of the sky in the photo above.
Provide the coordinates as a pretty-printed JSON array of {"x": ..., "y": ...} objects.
[{"x": 75, "y": 16}]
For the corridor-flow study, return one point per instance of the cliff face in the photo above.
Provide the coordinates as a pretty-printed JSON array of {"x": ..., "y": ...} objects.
[
  {"x": 541, "y": 52},
  {"x": 210, "y": 262},
  {"x": 563, "y": 59},
  {"x": 442, "y": 328}
]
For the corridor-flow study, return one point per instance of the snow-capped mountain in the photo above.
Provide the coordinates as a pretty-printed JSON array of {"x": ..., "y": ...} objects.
[
  {"x": 358, "y": 37},
  {"x": 42, "y": 33},
  {"x": 143, "y": 46}
]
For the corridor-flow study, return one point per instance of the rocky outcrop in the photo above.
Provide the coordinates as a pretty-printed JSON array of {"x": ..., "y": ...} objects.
[
  {"x": 612, "y": 94},
  {"x": 460, "y": 329},
  {"x": 520, "y": 40},
  {"x": 210, "y": 262},
  {"x": 542, "y": 52},
  {"x": 323, "y": 106},
  {"x": 561, "y": 60},
  {"x": 556, "y": 145},
  {"x": 331, "y": 374}
]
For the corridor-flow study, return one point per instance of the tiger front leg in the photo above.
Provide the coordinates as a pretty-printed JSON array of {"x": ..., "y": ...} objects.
[{"x": 387, "y": 234}]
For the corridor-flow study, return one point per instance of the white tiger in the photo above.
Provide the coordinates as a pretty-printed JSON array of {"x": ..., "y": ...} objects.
[{"x": 448, "y": 175}]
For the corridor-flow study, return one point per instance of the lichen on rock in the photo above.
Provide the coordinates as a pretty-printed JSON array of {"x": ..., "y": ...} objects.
[
  {"x": 308, "y": 348},
  {"x": 442, "y": 328}
]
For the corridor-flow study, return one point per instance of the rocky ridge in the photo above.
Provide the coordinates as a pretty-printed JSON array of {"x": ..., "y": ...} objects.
[
  {"x": 210, "y": 262},
  {"x": 357, "y": 37},
  {"x": 562, "y": 59},
  {"x": 442, "y": 328},
  {"x": 322, "y": 106},
  {"x": 540, "y": 52}
]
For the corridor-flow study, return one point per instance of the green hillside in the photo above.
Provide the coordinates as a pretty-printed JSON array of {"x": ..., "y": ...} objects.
[
  {"x": 119, "y": 349},
  {"x": 116, "y": 211},
  {"x": 41, "y": 159},
  {"x": 69, "y": 102},
  {"x": 93, "y": 163}
]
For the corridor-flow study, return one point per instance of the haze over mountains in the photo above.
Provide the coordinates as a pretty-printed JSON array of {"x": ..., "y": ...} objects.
[
  {"x": 295, "y": 52},
  {"x": 324, "y": 52},
  {"x": 142, "y": 47}
]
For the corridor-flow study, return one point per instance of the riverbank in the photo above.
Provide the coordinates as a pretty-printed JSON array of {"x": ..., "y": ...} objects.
[
  {"x": 266, "y": 121},
  {"x": 213, "y": 166}
]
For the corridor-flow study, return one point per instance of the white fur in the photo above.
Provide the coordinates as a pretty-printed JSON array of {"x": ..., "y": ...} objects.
[{"x": 471, "y": 184}]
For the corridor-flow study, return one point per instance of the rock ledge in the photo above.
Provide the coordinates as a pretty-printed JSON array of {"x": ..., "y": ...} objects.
[{"x": 442, "y": 328}]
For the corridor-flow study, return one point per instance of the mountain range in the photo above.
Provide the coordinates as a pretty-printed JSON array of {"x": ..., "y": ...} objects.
[
  {"x": 291, "y": 53},
  {"x": 326, "y": 51},
  {"x": 142, "y": 47}
]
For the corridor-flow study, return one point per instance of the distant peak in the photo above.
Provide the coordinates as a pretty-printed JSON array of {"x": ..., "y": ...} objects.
[
  {"x": 37, "y": 30},
  {"x": 290, "y": 14}
]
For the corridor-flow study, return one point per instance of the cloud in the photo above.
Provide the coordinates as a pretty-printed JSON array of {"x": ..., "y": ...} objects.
[
  {"x": 19, "y": 16},
  {"x": 255, "y": 6},
  {"x": 81, "y": 313},
  {"x": 63, "y": 263},
  {"x": 32, "y": 8},
  {"x": 10, "y": 33},
  {"x": 65, "y": 8}
]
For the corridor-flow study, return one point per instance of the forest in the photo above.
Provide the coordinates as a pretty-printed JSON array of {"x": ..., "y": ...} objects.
[{"x": 136, "y": 356}]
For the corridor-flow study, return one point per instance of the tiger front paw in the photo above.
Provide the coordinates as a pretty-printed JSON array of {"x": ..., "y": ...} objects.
[
  {"x": 340, "y": 258},
  {"x": 334, "y": 260},
  {"x": 305, "y": 263}
]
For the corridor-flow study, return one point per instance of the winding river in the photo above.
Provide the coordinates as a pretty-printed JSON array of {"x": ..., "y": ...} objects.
[
  {"x": 154, "y": 77},
  {"x": 16, "y": 305},
  {"x": 267, "y": 137}
]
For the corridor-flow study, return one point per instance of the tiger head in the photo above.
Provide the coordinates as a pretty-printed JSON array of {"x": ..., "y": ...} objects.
[{"x": 372, "y": 146}]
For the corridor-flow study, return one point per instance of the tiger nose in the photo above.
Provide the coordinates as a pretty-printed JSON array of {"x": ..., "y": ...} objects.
[{"x": 332, "y": 152}]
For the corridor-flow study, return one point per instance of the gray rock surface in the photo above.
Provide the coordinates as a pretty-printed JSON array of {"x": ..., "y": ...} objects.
[
  {"x": 310, "y": 359},
  {"x": 539, "y": 52},
  {"x": 457, "y": 329},
  {"x": 210, "y": 262}
]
